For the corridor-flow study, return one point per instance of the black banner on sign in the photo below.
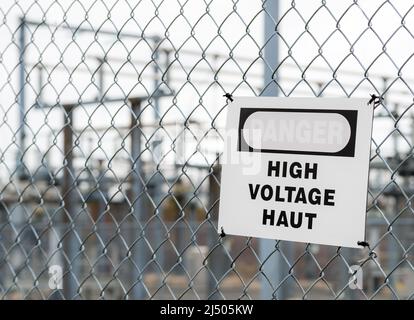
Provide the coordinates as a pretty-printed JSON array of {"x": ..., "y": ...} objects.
[{"x": 347, "y": 151}]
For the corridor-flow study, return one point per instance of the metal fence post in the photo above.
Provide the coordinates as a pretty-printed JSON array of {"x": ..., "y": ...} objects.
[
  {"x": 136, "y": 197},
  {"x": 273, "y": 267},
  {"x": 217, "y": 261},
  {"x": 21, "y": 99},
  {"x": 71, "y": 207}
]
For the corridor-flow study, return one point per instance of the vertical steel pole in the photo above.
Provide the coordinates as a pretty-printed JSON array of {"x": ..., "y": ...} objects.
[
  {"x": 157, "y": 152},
  {"x": 39, "y": 97},
  {"x": 71, "y": 208},
  {"x": 157, "y": 228},
  {"x": 218, "y": 262},
  {"x": 102, "y": 227},
  {"x": 22, "y": 99},
  {"x": 273, "y": 267},
  {"x": 156, "y": 82},
  {"x": 136, "y": 197},
  {"x": 393, "y": 248},
  {"x": 101, "y": 76},
  {"x": 166, "y": 76}
]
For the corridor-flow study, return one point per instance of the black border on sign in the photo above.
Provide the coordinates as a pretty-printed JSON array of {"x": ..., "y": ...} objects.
[{"x": 348, "y": 151}]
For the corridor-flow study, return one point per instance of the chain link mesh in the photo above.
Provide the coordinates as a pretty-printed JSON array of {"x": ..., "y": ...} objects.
[{"x": 112, "y": 115}]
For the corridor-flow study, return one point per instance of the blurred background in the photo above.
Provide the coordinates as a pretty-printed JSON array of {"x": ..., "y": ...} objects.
[{"x": 111, "y": 122}]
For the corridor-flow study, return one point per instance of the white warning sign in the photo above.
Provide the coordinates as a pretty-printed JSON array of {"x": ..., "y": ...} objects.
[{"x": 296, "y": 169}]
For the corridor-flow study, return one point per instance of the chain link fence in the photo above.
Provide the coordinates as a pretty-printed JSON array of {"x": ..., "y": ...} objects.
[{"x": 111, "y": 118}]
